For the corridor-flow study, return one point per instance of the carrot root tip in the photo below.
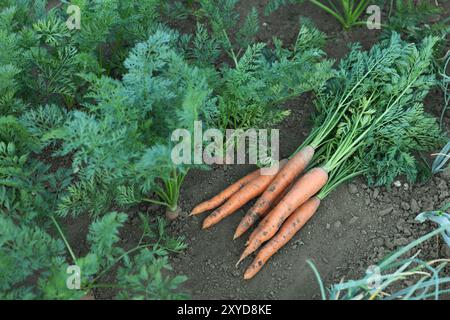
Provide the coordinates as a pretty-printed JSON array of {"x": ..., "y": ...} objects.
[
  {"x": 247, "y": 277},
  {"x": 205, "y": 226}
]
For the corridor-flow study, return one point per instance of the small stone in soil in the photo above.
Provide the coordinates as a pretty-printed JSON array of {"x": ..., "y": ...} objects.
[
  {"x": 442, "y": 185},
  {"x": 337, "y": 224},
  {"x": 415, "y": 206},
  {"x": 407, "y": 231},
  {"x": 445, "y": 251},
  {"x": 375, "y": 194},
  {"x": 405, "y": 205},
  {"x": 353, "y": 220},
  {"x": 388, "y": 244},
  {"x": 401, "y": 241},
  {"x": 352, "y": 188},
  {"x": 386, "y": 211},
  {"x": 443, "y": 195},
  {"x": 378, "y": 242}
]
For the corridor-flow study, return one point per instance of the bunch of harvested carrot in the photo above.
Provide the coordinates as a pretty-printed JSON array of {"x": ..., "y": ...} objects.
[
  {"x": 285, "y": 231},
  {"x": 354, "y": 108}
]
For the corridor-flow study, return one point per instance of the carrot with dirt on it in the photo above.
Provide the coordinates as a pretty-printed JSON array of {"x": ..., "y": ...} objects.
[
  {"x": 225, "y": 194},
  {"x": 251, "y": 190},
  {"x": 292, "y": 225},
  {"x": 302, "y": 215},
  {"x": 306, "y": 187},
  {"x": 284, "y": 178},
  {"x": 250, "y": 218}
]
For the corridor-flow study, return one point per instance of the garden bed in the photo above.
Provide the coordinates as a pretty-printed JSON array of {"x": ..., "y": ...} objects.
[
  {"x": 355, "y": 228},
  {"x": 87, "y": 177}
]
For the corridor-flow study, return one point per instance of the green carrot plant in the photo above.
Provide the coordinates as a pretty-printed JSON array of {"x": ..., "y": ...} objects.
[
  {"x": 416, "y": 20},
  {"x": 251, "y": 90},
  {"x": 254, "y": 80},
  {"x": 35, "y": 251},
  {"x": 29, "y": 250},
  {"x": 121, "y": 143},
  {"x": 35, "y": 40},
  {"x": 367, "y": 115}
]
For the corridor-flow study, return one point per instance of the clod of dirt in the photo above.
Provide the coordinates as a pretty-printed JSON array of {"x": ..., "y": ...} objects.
[
  {"x": 402, "y": 241},
  {"x": 442, "y": 185},
  {"x": 415, "y": 208},
  {"x": 405, "y": 205},
  {"x": 386, "y": 211},
  {"x": 446, "y": 174},
  {"x": 445, "y": 251},
  {"x": 352, "y": 188},
  {"x": 337, "y": 224},
  {"x": 375, "y": 193},
  {"x": 353, "y": 219}
]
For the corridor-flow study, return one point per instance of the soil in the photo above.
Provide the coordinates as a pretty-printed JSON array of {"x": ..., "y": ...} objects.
[{"x": 355, "y": 227}]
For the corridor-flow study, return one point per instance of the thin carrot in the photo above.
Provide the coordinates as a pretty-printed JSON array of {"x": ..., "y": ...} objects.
[
  {"x": 290, "y": 227},
  {"x": 291, "y": 170},
  {"x": 225, "y": 194},
  {"x": 251, "y": 190},
  {"x": 306, "y": 187},
  {"x": 250, "y": 218}
]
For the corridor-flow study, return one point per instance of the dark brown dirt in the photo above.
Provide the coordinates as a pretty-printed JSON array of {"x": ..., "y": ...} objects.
[{"x": 351, "y": 229}]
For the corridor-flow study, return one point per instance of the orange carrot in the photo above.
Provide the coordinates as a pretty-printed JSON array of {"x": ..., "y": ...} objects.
[
  {"x": 251, "y": 190},
  {"x": 292, "y": 225},
  {"x": 250, "y": 218},
  {"x": 306, "y": 187},
  {"x": 291, "y": 170},
  {"x": 225, "y": 194}
]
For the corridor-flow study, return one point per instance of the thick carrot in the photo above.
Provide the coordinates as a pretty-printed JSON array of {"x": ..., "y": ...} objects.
[
  {"x": 286, "y": 176},
  {"x": 290, "y": 227},
  {"x": 225, "y": 194},
  {"x": 306, "y": 187},
  {"x": 251, "y": 217},
  {"x": 251, "y": 190}
]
